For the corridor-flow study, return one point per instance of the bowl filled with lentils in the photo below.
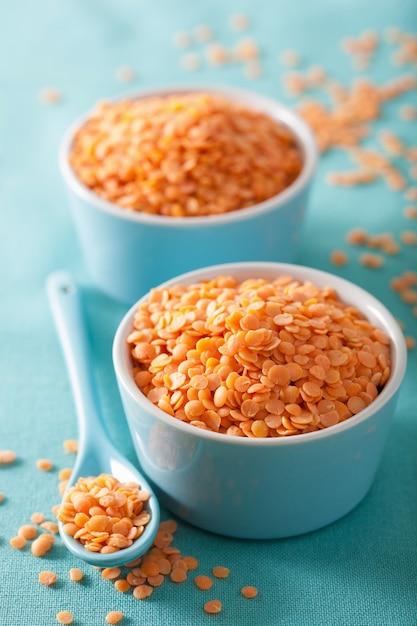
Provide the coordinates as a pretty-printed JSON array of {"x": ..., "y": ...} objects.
[
  {"x": 259, "y": 395},
  {"x": 166, "y": 181}
]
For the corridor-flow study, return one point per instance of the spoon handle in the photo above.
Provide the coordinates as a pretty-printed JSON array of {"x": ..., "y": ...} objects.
[{"x": 65, "y": 302}]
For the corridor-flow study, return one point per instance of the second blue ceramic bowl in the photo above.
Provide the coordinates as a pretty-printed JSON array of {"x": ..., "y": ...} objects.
[
  {"x": 271, "y": 487},
  {"x": 128, "y": 252}
]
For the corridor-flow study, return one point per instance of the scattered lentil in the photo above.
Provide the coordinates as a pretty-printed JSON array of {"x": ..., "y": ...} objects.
[
  {"x": 64, "y": 617},
  {"x": 44, "y": 464},
  {"x": 7, "y": 457},
  {"x": 71, "y": 445},
  {"x": 140, "y": 592},
  {"x": 221, "y": 572},
  {"x": 371, "y": 260},
  {"x": 290, "y": 58},
  {"x": 52, "y": 527},
  {"x": 42, "y": 544},
  {"x": 114, "y": 617},
  {"x": 249, "y": 591},
  {"x": 27, "y": 531},
  {"x": 250, "y": 350},
  {"x": 339, "y": 258},
  {"x": 190, "y": 61},
  {"x": 18, "y": 542},
  {"x": 181, "y": 39},
  {"x": 185, "y": 139},
  {"x": 203, "y": 33},
  {"x": 37, "y": 518},
  {"x": 1, "y": 497},
  {"x": 410, "y": 342},
  {"x": 76, "y": 574},
  {"x": 47, "y": 578},
  {"x": 239, "y": 21},
  {"x": 409, "y": 237},
  {"x": 65, "y": 473},
  {"x": 49, "y": 95},
  {"x": 125, "y": 74},
  {"x": 203, "y": 582},
  {"x": 213, "y": 606}
]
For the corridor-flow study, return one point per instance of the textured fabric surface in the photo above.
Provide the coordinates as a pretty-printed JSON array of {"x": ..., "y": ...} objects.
[{"x": 361, "y": 570}]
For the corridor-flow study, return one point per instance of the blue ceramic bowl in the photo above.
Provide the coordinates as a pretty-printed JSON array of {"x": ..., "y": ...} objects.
[
  {"x": 262, "y": 488},
  {"x": 128, "y": 252}
]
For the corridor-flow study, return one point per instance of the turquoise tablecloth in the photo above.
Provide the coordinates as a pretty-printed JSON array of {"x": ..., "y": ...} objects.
[{"x": 360, "y": 571}]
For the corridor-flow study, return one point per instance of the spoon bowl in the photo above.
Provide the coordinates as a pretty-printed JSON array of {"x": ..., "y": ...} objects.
[{"x": 96, "y": 453}]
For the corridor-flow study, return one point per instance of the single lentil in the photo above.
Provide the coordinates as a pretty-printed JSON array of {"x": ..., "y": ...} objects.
[
  {"x": 44, "y": 464},
  {"x": 7, "y": 457},
  {"x": 42, "y": 544},
  {"x": 47, "y": 578},
  {"x": 142, "y": 591},
  {"x": 338, "y": 258},
  {"x": 220, "y": 571},
  {"x": 27, "y": 531},
  {"x": 64, "y": 617},
  {"x": 18, "y": 542},
  {"x": 71, "y": 445},
  {"x": 213, "y": 606},
  {"x": 203, "y": 582},
  {"x": 249, "y": 592},
  {"x": 76, "y": 574},
  {"x": 37, "y": 518},
  {"x": 114, "y": 617}
]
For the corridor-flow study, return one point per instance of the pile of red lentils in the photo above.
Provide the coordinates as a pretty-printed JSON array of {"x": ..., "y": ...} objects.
[
  {"x": 256, "y": 358},
  {"x": 103, "y": 514},
  {"x": 162, "y": 562},
  {"x": 184, "y": 155}
]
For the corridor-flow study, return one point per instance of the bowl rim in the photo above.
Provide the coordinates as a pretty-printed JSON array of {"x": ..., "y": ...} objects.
[
  {"x": 274, "y": 108},
  {"x": 348, "y": 291}
]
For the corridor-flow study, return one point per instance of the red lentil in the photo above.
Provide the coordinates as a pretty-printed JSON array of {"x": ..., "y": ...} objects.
[
  {"x": 37, "y": 518},
  {"x": 47, "y": 578},
  {"x": 64, "y": 617},
  {"x": 71, "y": 445},
  {"x": 339, "y": 258},
  {"x": 221, "y": 572},
  {"x": 27, "y": 531},
  {"x": 239, "y": 21},
  {"x": 186, "y": 139},
  {"x": 213, "y": 606},
  {"x": 249, "y": 591},
  {"x": 76, "y": 574},
  {"x": 65, "y": 473},
  {"x": 44, "y": 464},
  {"x": 203, "y": 582},
  {"x": 42, "y": 544},
  {"x": 7, "y": 457},
  {"x": 114, "y": 617},
  {"x": 260, "y": 341},
  {"x": 18, "y": 542},
  {"x": 142, "y": 591},
  {"x": 49, "y": 95}
]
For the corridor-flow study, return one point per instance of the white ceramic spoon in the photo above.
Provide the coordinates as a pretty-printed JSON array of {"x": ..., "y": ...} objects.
[{"x": 96, "y": 454}]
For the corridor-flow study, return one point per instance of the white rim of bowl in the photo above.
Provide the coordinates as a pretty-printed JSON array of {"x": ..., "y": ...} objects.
[
  {"x": 301, "y": 131},
  {"x": 346, "y": 290}
]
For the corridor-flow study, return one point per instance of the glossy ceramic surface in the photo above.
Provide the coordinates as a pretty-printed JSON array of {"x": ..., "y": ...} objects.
[
  {"x": 127, "y": 252},
  {"x": 96, "y": 453},
  {"x": 263, "y": 488}
]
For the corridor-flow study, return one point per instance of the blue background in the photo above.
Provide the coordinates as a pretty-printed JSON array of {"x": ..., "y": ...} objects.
[{"x": 360, "y": 571}]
